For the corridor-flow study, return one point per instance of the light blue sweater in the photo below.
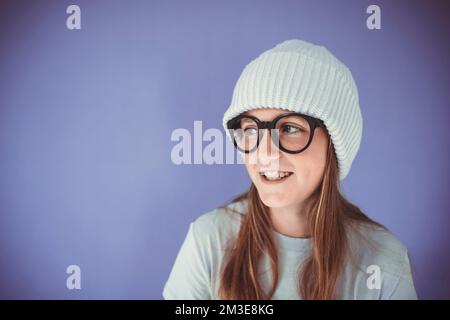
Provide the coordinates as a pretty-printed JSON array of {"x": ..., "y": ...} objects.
[{"x": 380, "y": 267}]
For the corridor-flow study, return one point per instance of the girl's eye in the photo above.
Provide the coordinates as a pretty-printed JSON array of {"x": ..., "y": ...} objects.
[
  {"x": 249, "y": 131},
  {"x": 291, "y": 129}
]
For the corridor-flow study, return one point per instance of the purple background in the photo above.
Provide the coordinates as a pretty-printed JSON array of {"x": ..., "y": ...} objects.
[{"x": 86, "y": 117}]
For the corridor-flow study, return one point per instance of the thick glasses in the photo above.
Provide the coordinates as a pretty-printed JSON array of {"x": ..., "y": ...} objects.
[{"x": 291, "y": 132}]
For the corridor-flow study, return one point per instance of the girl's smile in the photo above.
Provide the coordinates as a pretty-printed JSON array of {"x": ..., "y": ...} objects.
[{"x": 275, "y": 177}]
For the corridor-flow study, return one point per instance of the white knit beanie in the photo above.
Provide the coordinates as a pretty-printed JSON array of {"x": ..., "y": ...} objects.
[{"x": 302, "y": 77}]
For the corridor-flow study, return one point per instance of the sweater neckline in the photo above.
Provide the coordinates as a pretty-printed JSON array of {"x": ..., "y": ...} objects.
[{"x": 291, "y": 243}]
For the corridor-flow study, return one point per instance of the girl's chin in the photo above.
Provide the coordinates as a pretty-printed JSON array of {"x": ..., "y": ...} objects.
[{"x": 276, "y": 200}]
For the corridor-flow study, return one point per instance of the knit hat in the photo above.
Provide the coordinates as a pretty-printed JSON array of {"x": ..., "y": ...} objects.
[{"x": 302, "y": 77}]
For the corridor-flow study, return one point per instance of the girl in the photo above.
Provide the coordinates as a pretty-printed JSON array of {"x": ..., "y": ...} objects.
[{"x": 296, "y": 119}]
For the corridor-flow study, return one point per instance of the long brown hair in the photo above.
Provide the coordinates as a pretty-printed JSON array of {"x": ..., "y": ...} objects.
[{"x": 329, "y": 217}]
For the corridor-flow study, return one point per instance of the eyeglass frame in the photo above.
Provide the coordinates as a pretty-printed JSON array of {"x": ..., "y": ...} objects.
[{"x": 312, "y": 122}]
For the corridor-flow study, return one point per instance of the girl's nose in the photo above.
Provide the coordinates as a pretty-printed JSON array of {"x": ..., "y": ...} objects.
[{"x": 268, "y": 152}]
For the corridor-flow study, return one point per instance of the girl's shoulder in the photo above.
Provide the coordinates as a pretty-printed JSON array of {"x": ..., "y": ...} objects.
[
  {"x": 374, "y": 245},
  {"x": 221, "y": 223},
  {"x": 231, "y": 213}
]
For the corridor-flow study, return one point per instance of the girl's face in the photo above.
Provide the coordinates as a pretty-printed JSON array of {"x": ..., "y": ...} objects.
[{"x": 306, "y": 168}]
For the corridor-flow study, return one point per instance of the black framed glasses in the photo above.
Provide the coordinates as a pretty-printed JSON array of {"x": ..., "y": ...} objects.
[{"x": 291, "y": 132}]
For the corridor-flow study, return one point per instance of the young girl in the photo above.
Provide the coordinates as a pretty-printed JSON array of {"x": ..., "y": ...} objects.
[{"x": 295, "y": 117}]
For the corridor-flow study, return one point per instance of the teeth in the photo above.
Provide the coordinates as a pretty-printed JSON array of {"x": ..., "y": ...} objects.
[{"x": 275, "y": 175}]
